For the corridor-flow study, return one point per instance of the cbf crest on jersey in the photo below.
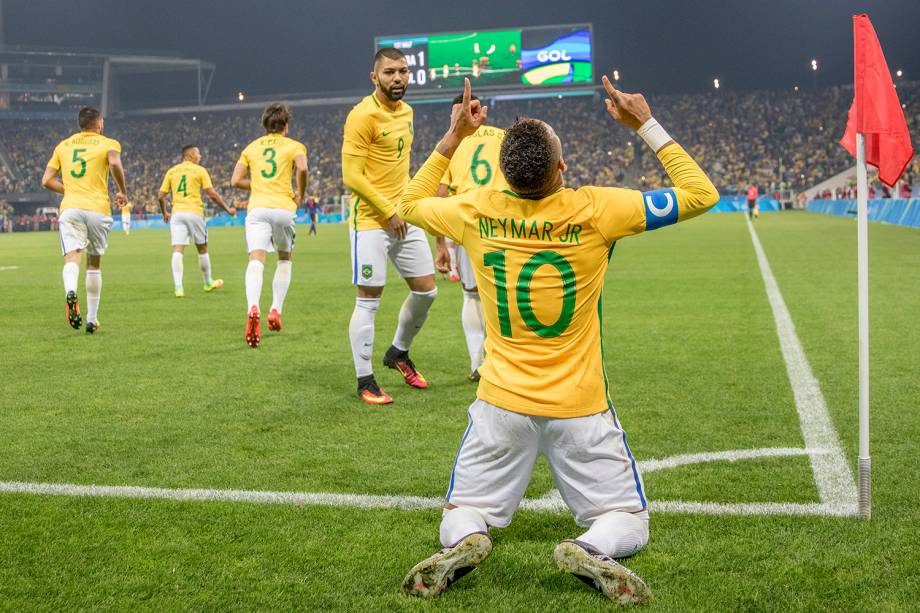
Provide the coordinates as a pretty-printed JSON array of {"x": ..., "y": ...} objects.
[
  {"x": 367, "y": 270},
  {"x": 660, "y": 208}
]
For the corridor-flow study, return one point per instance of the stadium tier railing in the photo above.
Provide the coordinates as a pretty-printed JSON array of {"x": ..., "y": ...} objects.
[{"x": 897, "y": 211}]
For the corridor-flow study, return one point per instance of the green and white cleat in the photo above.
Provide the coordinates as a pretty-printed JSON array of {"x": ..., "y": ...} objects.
[
  {"x": 215, "y": 284},
  {"x": 433, "y": 575},
  {"x": 180, "y": 293},
  {"x": 602, "y": 572}
]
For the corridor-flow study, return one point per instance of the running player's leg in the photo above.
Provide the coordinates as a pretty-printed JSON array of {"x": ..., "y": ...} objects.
[
  {"x": 199, "y": 232},
  {"x": 73, "y": 242},
  {"x": 597, "y": 477},
  {"x": 369, "y": 275},
  {"x": 179, "y": 235},
  {"x": 491, "y": 472},
  {"x": 126, "y": 222},
  {"x": 97, "y": 230},
  {"x": 474, "y": 326},
  {"x": 258, "y": 244},
  {"x": 413, "y": 261},
  {"x": 283, "y": 235}
]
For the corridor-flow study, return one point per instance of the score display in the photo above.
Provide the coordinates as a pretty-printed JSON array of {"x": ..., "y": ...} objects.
[{"x": 538, "y": 56}]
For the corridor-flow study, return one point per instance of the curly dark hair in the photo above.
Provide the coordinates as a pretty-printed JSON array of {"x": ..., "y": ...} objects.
[
  {"x": 528, "y": 156},
  {"x": 275, "y": 116}
]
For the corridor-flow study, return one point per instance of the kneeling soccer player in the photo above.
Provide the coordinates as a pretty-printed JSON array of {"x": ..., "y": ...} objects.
[{"x": 540, "y": 253}]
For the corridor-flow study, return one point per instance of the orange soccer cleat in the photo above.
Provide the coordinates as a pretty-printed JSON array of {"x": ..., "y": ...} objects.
[
  {"x": 253, "y": 333},
  {"x": 72, "y": 311},
  {"x": 370, "y": 392},
  {"x": 274, "y": 320},
  {"x": 399, "y": 360}
]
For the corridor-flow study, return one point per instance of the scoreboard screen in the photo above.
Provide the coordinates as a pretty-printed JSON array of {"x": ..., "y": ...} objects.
[{"x": 545, "y": 55}]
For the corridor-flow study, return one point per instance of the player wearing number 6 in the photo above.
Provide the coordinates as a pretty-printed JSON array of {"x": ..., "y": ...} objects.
[
  {"x": 186, "y": 180},
  {"x": 540, "y": 252},
  {"x": 270, "y": 160}
]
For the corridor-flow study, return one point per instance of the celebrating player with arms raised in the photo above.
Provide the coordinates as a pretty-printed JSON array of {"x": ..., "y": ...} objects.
[
  {"x": 270, "y": 160},
  {"x": 375, "y": 167},
  {"x": 473, "y": 166},
  {"x": 540, "y": 254},
  {"x": 186, "y": 180},
  {"x": 84, "y": 160}
]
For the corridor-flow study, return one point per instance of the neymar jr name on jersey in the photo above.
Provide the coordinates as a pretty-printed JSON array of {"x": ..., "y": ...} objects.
[{"x": 530, "y": 229}]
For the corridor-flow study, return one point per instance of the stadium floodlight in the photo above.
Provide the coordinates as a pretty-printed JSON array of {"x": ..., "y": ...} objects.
[
  {"x": 814, "y": 65},
  {"x": 899, "y": 73},
  {"x": 240, "y": 96},
  {"x": 616, "y": 74},
  {"x": 796, "y": 88},
  {"x": 715, "y": 83}
]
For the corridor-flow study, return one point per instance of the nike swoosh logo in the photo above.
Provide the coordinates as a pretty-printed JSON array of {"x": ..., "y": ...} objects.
[{"x": 385, "y": 133}]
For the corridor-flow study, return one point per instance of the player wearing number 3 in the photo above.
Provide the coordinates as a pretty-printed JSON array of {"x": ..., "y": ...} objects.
[
  {"x": 270, "y": 161},
  {"x": 540, "y": 253}
]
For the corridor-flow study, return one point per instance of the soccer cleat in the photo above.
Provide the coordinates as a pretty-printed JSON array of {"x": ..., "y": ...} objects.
[
  {"x": 473, "y": 377},
  {"x": 370, "y": 392},
  {"x": 253, "y": 333},
  {"x": 72, "y": 311},
  {"x": 454, "y": 277},
  {"x": 180, "y": 293},
  {"x": 215, "y": 284},
  {"x": 433, "y": 575},
  {"x": 602, "y": 573},
  {"x": 92, "y": 326},
  {"x": 399, "y": 360},
  {"x": 274, "y": 320}
]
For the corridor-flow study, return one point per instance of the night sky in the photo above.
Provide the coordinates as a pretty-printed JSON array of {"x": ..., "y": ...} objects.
[{"x": 659, "y": 46}]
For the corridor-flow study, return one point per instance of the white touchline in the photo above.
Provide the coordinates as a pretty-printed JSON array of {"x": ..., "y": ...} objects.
[
  {"x": 9, "y": 267},
  {"x": 832, "y": 474}
]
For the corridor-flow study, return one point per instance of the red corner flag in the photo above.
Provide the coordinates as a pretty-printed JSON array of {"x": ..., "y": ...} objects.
[{"x": 876, "y": 111}]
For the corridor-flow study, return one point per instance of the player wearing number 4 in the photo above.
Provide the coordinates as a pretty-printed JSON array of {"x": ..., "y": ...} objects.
[
  {"x": 186, "y": 180},
  {"x": 84, "y": 161},
  {"x": 270, "y": 161},
  {"x": 540, "y": 253},
  {"x": 375, "y": 167},
  {"x": 473, "y": 166}
]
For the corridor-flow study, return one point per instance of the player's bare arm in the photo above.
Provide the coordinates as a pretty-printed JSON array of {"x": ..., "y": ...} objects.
[
  {"x": 217, "y": 199},
  {"x": 118, "y": 173},
  {"x": 239, "y": 180},
  {"x": 51, "y": 182},
  {"x": 465, "y": 119},
  {"x": 302, "y": 174},
  {"x": 161, "y": 198},
  {"x": 631, "y": 110}
]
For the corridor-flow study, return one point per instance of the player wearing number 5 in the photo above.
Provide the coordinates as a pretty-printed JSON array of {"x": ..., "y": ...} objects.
[
  {"x": 540, "y": 253},
  {"x": 270, "y": 160},
  {"x": 375, "y": 167},
  {"x": 186, "y": 180},
  {"x": 84, "y": 161}
]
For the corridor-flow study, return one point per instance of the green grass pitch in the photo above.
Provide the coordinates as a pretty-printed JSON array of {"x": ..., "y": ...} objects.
[{"x": 167, "y": 394}]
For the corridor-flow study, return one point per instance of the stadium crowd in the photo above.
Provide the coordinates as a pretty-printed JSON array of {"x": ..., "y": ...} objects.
[{"x": 775, "y": 139}]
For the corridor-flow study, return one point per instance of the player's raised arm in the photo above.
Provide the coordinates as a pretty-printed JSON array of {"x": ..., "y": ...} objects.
[
  {"x": 419, "y": 204},
  {"x": 118, "y": 173}
]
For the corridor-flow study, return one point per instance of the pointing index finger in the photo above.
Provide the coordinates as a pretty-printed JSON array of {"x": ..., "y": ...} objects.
[{"x": 466, "y": 94}]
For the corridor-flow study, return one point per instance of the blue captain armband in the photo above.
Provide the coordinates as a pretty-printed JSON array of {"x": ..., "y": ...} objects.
[{"x": 660, "y": 208}]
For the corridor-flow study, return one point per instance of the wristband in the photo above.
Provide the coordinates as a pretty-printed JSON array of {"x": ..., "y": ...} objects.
[{"x": 653, "y": 134}]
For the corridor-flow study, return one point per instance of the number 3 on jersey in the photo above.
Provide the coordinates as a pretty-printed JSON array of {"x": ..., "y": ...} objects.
[
  {"x": 269, "y": 154},
  {"x": 496, "y": 260}
]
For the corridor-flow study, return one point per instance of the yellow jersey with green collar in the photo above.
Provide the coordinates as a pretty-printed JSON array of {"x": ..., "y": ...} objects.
[
  {"x": 185, "y": 181},
  {"x": 270, "y": 160},
  {"x": 83, "y": 161},
  {"x": 540, "y": 267},
  {"x": 475, "y": 163},
  {"x": 384, "y": 139}
]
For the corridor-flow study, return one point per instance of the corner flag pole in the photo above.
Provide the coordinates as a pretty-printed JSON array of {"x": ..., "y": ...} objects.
[{"x": 862, "y": 249}]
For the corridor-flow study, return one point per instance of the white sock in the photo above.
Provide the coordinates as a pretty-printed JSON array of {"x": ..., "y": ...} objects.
[
  {"x": 280, "y": 283},
  {"x": 71, "y": 274},
  {"x": 93, "y": 294},
  {"x": 412, "y": 315},
  {"x": 474, "y": 327},
  {"x": 254, "y": 282},
  {"x": 361, "y": 334},
  {"x": 452, "y": 252},
  {"x": 459, "y": 522},
  {"x": 177, "y": 269},
  {"x": 618, "y": 534},
  {"x": 204, "y": 264}
]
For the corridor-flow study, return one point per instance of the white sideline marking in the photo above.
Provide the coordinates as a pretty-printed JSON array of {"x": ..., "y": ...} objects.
[
  {"x": 832, "y": 474},
  {"x": 9, "y": 267},
  {"x": 734, "y": 455}
]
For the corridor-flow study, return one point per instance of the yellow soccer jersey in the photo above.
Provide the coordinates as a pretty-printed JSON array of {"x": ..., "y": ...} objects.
[
  {"x": 126, "y": 209},
  {"x": 270, "y": 160},
  {"x": 540, "y": 267},
  {"x": 185, "y": 181},
  {"x": 83, "y": 160},
  {"x": 384, "y": 139},
  {"x": 475, "y": 163}
]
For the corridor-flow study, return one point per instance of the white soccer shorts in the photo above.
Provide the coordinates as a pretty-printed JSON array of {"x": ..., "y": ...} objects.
[
  {"x": 87, "y": 230},
  {"x": 270, "y": 229},
  {"x": 371, "y": 248},
  {"x": 465, "y": 269},
  {"x": 183, "y": 225},
  {"x": 588, "y": 456}
]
